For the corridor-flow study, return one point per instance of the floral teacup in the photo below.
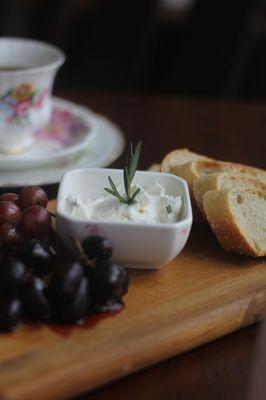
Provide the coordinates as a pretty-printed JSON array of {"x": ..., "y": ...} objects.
[{"x": 27, "y": 72}]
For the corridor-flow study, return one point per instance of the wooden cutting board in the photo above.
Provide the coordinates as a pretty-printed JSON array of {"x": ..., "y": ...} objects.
[{"x": 202, "y": 295}]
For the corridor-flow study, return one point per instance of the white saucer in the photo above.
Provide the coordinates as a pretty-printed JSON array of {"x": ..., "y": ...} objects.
[
  {"x": 70, "y": 130},
  {"x": 105, "y": 144}
]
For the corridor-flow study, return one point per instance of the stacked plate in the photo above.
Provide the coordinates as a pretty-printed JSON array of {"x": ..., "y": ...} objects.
[{"x": 75, "y": 138}]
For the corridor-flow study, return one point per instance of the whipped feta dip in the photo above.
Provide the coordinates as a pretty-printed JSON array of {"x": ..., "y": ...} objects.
[{"x": 151, "y": 205}]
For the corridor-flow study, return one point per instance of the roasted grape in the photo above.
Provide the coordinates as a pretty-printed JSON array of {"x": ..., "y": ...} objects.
[
  {"x": 39, "y": 256},
  {"x": 75, "y": 309},
  {"x": 109, "y": 282},
  {"x": 12, "y": 274},
  {"x": 9, "y": 233},
  {"x": 10, "y": 313},
  {"x": 34, "y": 297},
  {"x": 9, "y": 212},
  {"x": 35, "y": 222},
  {"x": 32, "y": 196},
  {"x": 9, "y": 197},
  {"x": 65, "y": 282},
  {"x": 97, "y": 248}
]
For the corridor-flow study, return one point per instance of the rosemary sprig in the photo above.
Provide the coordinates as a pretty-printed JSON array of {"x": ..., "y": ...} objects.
[{"x": 128, "y": 175}]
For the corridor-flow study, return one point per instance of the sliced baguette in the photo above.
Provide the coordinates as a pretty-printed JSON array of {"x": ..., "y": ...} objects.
[
  {"x": 178, "y": 157},
  {"x": 223, "y": 180},
  {"x": 238, "y": 219},
  {"x": 209, "y": 167},
  {"x": 192, "y": 170},
  {"x": 189, "y": 173},
  {"x": 155, "y": 167}
]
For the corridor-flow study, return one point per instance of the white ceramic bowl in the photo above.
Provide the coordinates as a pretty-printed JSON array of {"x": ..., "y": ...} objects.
[{"x": 136, "y": 245}]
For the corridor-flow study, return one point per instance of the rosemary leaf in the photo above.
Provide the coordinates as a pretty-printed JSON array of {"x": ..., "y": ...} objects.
[
  {"x": 128, "y": 175},
  {"x": 126, "y": 183},
  {"x": 117, "y": 194},
  {"x": 134, "y": 195},
  {"x": 110, "y": 191},
  {"x": 134, "y": 160}
]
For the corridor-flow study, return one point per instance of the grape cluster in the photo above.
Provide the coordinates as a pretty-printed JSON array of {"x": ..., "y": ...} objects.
[
  {"x": 95, "y": 283},
  {"x": 24, "y": 215},
  {"x": 33, "y": 285}
]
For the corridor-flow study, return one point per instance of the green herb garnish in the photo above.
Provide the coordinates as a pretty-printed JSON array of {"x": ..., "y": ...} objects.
[
  {"x": 128, "y": 174},
  {"x": 168, "y": 209}
]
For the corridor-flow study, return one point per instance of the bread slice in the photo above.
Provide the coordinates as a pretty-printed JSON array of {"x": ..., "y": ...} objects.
[
  {"x": 192, "y": 170},
  {"x": 155, "y": 168},
  {"x": 223, "y": 180},
  {"x": 238, "y": 219},
  {"x": 209, "y": 167},
  {"x": 178, "y": 157}
]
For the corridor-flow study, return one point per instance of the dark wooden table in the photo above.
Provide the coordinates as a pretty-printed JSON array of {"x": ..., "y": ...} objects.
[{"x": 232, "y": 367}]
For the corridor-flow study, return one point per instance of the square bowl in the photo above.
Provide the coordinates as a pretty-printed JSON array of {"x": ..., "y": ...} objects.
[{"x": 136, "y": 245}]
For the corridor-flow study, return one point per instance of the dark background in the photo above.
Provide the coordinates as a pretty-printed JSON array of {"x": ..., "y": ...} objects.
[{"x": 191, "y": 47}]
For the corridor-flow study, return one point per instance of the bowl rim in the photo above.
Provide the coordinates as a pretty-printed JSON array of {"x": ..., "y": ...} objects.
[
  {"x": 59, "y": 56},
  {"x": 187, "y": 220}
]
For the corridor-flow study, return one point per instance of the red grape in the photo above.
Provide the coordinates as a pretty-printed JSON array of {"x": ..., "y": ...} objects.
[
  {"x": 9, "y": 212},
  {"x": 12, "y": 274},
  {"x": 75, "y": 309},
  {"x": 35, "y": 222},
  {"x": 32, "y": 196},
  {"x": 10, "y": 313},
  {"x": 9, "y": 233},
  {"x": 33, "y": 293},
  {"x": 97, "y": 247},
  {"x": 9, "y": 197}
]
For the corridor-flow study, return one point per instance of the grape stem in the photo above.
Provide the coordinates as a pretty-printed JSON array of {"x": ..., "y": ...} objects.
[
  {"x": 82, "y": 255},
  {"x": 52, "y": 214}
]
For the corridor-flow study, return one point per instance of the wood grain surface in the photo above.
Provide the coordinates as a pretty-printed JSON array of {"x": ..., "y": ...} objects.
[
  {"x": 203, "y": 294},
  {"x": 229, "y": 130}
]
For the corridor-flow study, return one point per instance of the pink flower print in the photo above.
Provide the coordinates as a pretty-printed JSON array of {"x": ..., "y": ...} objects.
[
  {"x": 22, "y": 108},
  {"x": 10, "y": 118},
  {"x": 40, "y": 99}
]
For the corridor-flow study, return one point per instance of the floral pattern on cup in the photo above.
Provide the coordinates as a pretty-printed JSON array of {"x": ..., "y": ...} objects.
[
  {"x": 17, "y": 102},
  {"x": 65, "y": 128}
]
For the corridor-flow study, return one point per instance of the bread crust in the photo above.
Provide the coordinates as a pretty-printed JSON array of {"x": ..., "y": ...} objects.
[
  {"x": 206, "y": 179},
  {"x": 224, "y": 224},
  {"x": 223, "y": 180},
  {"x": 205, "y": 167},
  {"x": 180, "y": 156},
  {"x": 155, "y": 167},
  {"x": 189, "y": 173}
]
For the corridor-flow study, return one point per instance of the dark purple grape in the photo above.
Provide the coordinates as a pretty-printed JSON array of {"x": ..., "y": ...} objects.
[
  {"x": 9, "y": 212},
  {"x": 50, "y": 237},
  {"x": 77, "y": 308},
  {"x": 9, "y": 233},
  {"x": 12, "y": 274},
  {"x": 97, "y": 248},
  {"x": 9, "y": 197},
  {"x": 109, "y": 282},
  {"x": 10, "y": 313},
  {"x": 35, "y": 222},
  {"x": 39, "y": 256},
  {"x": 65, "y": 282},
  {"x": 34, "y": 297},
  {"x": 32, "y": 196}
]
